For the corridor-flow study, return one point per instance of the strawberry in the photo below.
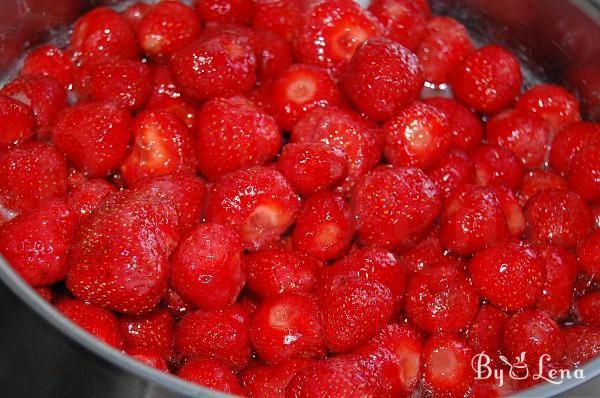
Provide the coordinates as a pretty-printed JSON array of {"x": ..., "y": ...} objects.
[
  {"x": 273, "y": 54},
  {"x": 441, "y": 299},
  {"x": 561, "y": 272},
  {"x": 404, "y": 21},
  {"x": 539, "y": 180},
  {"x": 554, "y": 104},
  {"x": 281, "y": 17},
  {"x": 222, "y": 334},
  {"x": 148, "y": 358},
  {"x": 272, "y": 272},
  {"x": 149, "y": 332},
  {"x": 233, "y": 134},
  {"x": 95, "y": 320},
  {"x": 394, "y": 205},
  {"x": 166, "y": 28},
  {"x": 101, "y": 148},
  {"x": 258, "y": 203},
  {"x": 587, "y": 308},
  {"x": 570, "y": 140},
  {"x": 86, "y": 196},
  {"x": 325, "y": 227},
  {"x": 135, "y": 13},
  {"x": 587, "y": 254},
  {"x": 225, "y": 11},
  {"x": 36, "y": 243},
  {"x": 447, "y": 367},
  {"x": 176, "y": 304},
  {"x": 485, "y": 333},
  {"x": 270, "y": 381},
  {"x": 583, "y": 175},
  {"x": 49, "y": 60},
  {"x": 206, "y": 268},
  {"x": 496, "y": 165},
  {"x": 511, "y": 276},
  {"x": 452, "y": 170},
  {"x": 513, "y": 212},
  {"x": 17, "y": 122},
  {"x": 382, "y": 78},
  {"x": 488, "y": 79},
  {"x": 278, "y": 318},
  {"x": 583, "y": 344},
  {"x": 162, "y": 145},
  {"x": 211, "y": 373},
  {"x": 426, "y": 254},
  {"x": 167, "y": 96}
]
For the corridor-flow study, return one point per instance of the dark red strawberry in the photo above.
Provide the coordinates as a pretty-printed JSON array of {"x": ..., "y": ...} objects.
[
  {"x": 167, "y": 27},
  {"x": 561, "y": 272},
  {"x": 49, "y": 60},
  {"x": 553, "y": 103},
  {"x": 176, "y": 304},
  {"x": 17, "y": 122},
  {"x": 225, "y": 11},
  {"x": 325, "y": 226},
  {"x": 95, "y": 320},
  {"x": 511, "y": 276},
  {"x": 162, "y": 145},
  {"x": 270, "y": 381},
  {"x": 447, "y": 365},
  {"x": 382, "y": 78},
  {"x": 258, "y": 203},
  {"x": 570, "y": 140},
  {"x": 211, "y": 373},
  {"x": 394, "y": 205},
  {"x": 36, "y": 243},
  {"x": 452, "y": 170},
  {"x": 404, "y": 21},
  {"x": 222, "y": 334},
  {"x": 150, "y": 332},
  {"x": 233, "y": 134},
  {"x": 272, "y": 272},
  {"x": 496, "y": 165},
  {"x": 93, "y": 135},
  {"x": 587, "y": 309}
]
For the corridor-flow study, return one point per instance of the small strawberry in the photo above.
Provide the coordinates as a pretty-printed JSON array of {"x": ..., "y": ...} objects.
[
  {"x": 281, "y": 17},
  {"x": 212, "y": 374},
  {"x": 496, "y": 165},
  {"x": 270, "y": 381},
  {"x": 225, "y": 11},
  {"x": 404, "y": 21},
  {"x": 553, "y": 103},
  {"x": 86, "y": 196},
  {"x": 584, "y": 171},
  {"x": 583, "y": 344},
  {"x": 539, "y": 180},
  {"x": 49, "y": 60},
  {"x": 452, "y": 170},
  {"x": 485, "y": 333},
  {"x": 149, "y": 332},
  {"x": 561, "y": 272},
  {"x": 588, "y": 254},
  {"x": 17, "y": 122},
  {"x": 570, "y": 140},
  {"x": 447, "y": 367}
]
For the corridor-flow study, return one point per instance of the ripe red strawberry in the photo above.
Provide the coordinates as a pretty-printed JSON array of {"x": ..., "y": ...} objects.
[
  {"x": 218, "y": 65},
  {"x": 526, "y": 135},
  {"x": 426, "y": 254},
  {"x": 570, "y": 140},
  {"x": 535, "y": 334},
  {"x": 206, "y": 269},
  {"x": 583, "y": 344},
  {"x": 472, "y": 219},
  {"x": 135, "y": 13},
  {"x": 166, "y": 28},
  {"x": 587, "y": 308},
  {"x": 452, "y": 170},
  {"x": 167, "y": 96},
  {"x": 211, "y": 373},
  {"x": 102, "y": 146},
  {"x": 561, "y": 272},
  {"x": 325, "y": 226},
  {"x": 558, "y": 217},
  {"x": 258, "y": 203},
  {"x": 233, "y": 134},
  {"x": 125, "y": 82},
  {"x": 270, "y": 381},
  {"x": 444, "y": 45},
  {"x": 141, "y": 233},
  {"x": 148, "y": 358},
  {"x": 513, "y": 212},
  {"x": 273, "y": 54},
  {"x": 95, "y": 320},
  {"x": 584, "y": 173},
  {"x": 149, "y": 332},
  {"x": 485, "y": 333},
  {"x": 281, "y": 17},
  {"x": 331, "y": 32},
  {"x": 299, "y": 89},
  {"x": 42, "y": 94},
  {"x": 394, "y": 205},
  {"x": 395, "y": 352},
  {"x": 162, "y": 144},
  {"x": 36, "y": 243},
  {"x": 488, "y": 79},
  {"x": 465, "y": 126},
  {"x": 540, "y": 180},
  {"x": 447, "y": 365},
  {"x": 17, "y": 122},
  {"x": 404, "y": 21},
  {"x": 185, "y": 192},
  {"x": 86, "y": 196},
  {"x": 359, "y": 140},
  {"x": 511, "y": 276},
  {"x": 553, "y": 103},
  {"x": 29, "y": 174},
  {"x": 441, "y": 299},
  {"x": 312, "y": 167},
  {"x": 222, "y": 334},
  {"x": 225, "y": 11},
  {"x": 176, "y": 304},
  {"x": 382, "y": 78},
  {"x": 272, "y": 272},
  {"x": 49, "y": 60},
  {"x": 588, "y": 254},
  {"x": 417, "y": 136},
  {"x": 279, "y": 318},
  {"x": 103, "y": 34},
  {"x": 496, "y": 165}
]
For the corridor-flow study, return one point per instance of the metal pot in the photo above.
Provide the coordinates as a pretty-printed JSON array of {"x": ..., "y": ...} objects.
[{"x": 45, "y": 355}]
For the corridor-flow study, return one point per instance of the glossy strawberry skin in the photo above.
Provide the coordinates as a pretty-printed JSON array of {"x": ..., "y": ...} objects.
[
  {"x": 511, "y": 276},
  {"x": 554, "y": 104},
  {"x": 86, "y": 196},
  {"x": 135, "y": 13},
  {"x": 570, "y": 140},
  {"x": 496, "y": 165},
  {"x": 102, "y": 148},
  {"x": 584, "y": 173},
  {"x": 149, "y": 358},
  {"x": 222, "y": 334},
  {"x": 487, "y": 79},
  {"x": 452, "y": 170},
  {"x": 587, "y": 254},
  {"x": 281, "y": 17},
  {"x": 162, "y": 145},
  {"x": 270, "y": 381},
  {"x": 149, "y": 332},
  {"x": 95, "y": 320},
  {"x": 381, "y": 98},
  {"x": 17, "y": 122},
  {"x": 225, "y": 11},
  {"x": 540, "y": 180},
  {"x": 49, "y": 60},
  {"x": 36, "y": 243},
  {"x": 206, "y": 268},
  {"x": 211, "y": 373},
  {"x": 583, "y": 344},
  {"x": 273, "y": 54},
  {"x": 485, "y": 333},
  {"x": 404, "y": 21},
  {"x": 394, "y": 205},
  {"x": 233, "y": 134},
  {"x": 561, "y": 272},
  {"x": 167, "y": 96}
]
